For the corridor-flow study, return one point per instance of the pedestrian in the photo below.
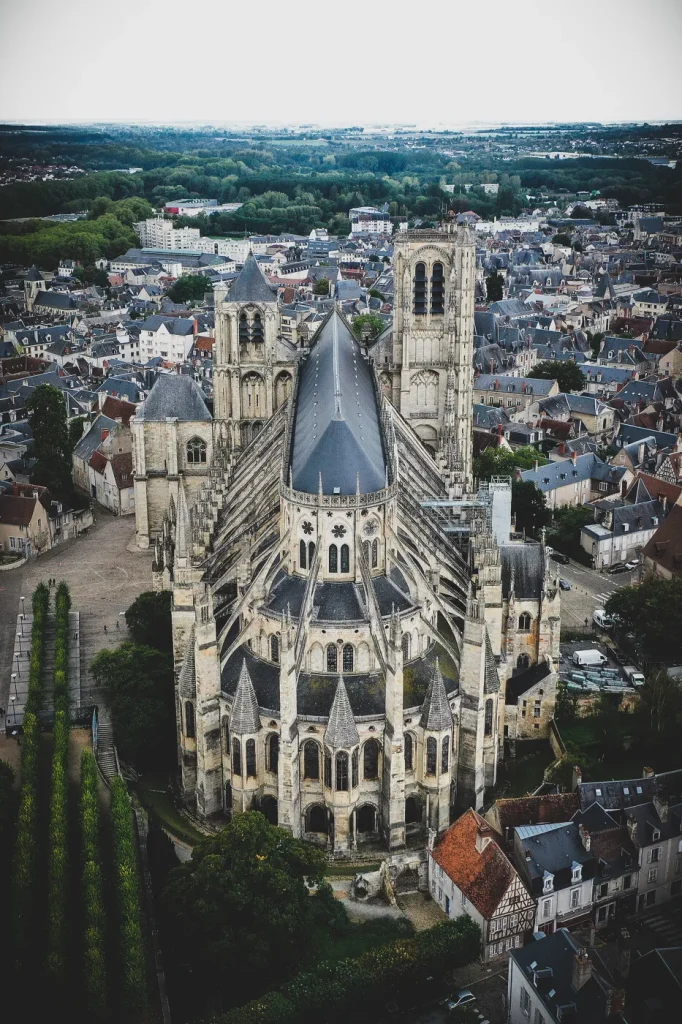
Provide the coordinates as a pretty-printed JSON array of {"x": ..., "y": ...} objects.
[
  {"x": 105, "y": 628},
  {"x": 117, "y": 624}
]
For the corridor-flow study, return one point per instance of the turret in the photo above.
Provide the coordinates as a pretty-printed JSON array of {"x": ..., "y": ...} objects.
[
  {"x": 245, "y": 750},
  {"x": 393, "y": 776},
  {"x": 436, "y": 722},
  {"x": 341, "y": 764}
]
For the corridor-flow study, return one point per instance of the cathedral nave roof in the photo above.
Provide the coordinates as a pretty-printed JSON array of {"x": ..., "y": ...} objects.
[{"x": 337, "y": 602}]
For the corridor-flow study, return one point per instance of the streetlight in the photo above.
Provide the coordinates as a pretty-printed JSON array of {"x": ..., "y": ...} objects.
[
  {"x": 19, "y": 639},
  {"x": 16, "y": 658},
  {"x": 22, "y": 605},
  {"x": 21, "y": 622},
  {"x": 14, "y": 714}
]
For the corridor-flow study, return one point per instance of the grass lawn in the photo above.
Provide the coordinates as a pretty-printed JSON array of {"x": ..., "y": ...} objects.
[
  {"x": 615, "y": 763},
  {"x": 354, "y": 940},
  {"x": 151, "y": 789},
  {"x": 524, "y": 773}
]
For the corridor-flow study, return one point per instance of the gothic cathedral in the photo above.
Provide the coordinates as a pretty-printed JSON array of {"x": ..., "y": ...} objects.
[{"x": 339, "y": 631}]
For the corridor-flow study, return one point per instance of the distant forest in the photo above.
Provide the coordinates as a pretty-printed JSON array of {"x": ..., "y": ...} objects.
[{"x": 293, "y": 184}]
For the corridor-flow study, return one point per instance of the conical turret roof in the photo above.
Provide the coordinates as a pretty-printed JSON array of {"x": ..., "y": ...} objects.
[
  {"x": 251, "y": 285},
  {"x": 341, "y": 729},
  {"x": 436, "y": 713},
  {"x": 245, "y": 718}
]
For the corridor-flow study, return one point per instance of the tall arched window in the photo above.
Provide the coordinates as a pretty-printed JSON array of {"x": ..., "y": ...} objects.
[
  {"x": 302, "y": 551},
  {"x": 524, "y": 622},
  {"x": 274, "y": 648},
  {"x": 257, "y": 328},
  {"x": 431, "y": 755},
  {"x": 406, "y": 645},
  {"x": 413, "y": 813},
  {"x": 437, "y": 289},
  {"x": 523, "y": 661},
  {"x": 250, "y": 759},
  {"x": 370, "y": 760},
  {"x": 243, "y": 329},
  {"x": 332, "y": 658},
  {"x": 409, "y": 752},
  {"x": 236, "y": 757},
  {"x": 311, "y": 554},
  {"x": 328, "y": 771},
  {"x": 342, "y": 771},
  {"x": 488, "y": 727},
  {"x": 273, "y": 752},
  {"x": 196, "y": 451},
  {"x": 445, "y": 754},
  {"x": 375, "y": 553},
  {"x": 311, "y": 760},
  {"x": 345, "y": 558},
  {"x": 316, "y": 819},
  {"x": 354, "y": 764},
  {"x": 226, "y": 736},
  {"x": 348, "y": 658},
  {"x": 333, "y": 558},
  {"x": 189, "y": 720},
  {"x": 420, "y": 289}
]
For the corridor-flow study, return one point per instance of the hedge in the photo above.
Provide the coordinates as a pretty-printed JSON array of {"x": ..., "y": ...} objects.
[
  {"x": 94, "y": 973},
  {"x": 58, "y": 834},
  {"x": 127, "y": 886},
  {"x": 26, "y": 850},
  {"x": 338, "y": 986}
]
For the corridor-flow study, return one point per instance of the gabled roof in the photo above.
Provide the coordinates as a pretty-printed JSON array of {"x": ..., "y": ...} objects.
[
  {"x": 482, "y": 876},
  {"x": 336, "y": 433},
  {"x": 251, "y": 285},
  {"x": 665, "y": 547},
  {"x": 16, "y": 509},
  {"x": 533, "y": 810},
  {"x": 526, "y": 563},
  {"x": 175, "y": 395},
  {"x": 341, "y": 731}
]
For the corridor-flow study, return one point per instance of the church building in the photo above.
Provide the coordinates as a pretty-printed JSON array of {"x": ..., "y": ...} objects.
[{"x": 341, "y": 639}]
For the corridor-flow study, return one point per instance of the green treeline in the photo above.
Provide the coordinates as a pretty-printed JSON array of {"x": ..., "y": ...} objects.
[
  {"x": 94, "y": 972},
  {"x": 126, "y": 883}
]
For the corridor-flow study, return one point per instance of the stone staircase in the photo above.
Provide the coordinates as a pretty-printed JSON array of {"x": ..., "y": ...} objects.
[{"x": 107, "y": 759}]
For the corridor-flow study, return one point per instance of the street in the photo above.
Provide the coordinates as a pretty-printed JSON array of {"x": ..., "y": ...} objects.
[{"x": 589, "y": 590}]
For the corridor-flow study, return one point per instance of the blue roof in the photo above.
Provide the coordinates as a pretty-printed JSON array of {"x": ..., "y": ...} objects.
[
  {"x": 559, "y": 474},
  {"x": 337, "y": 433}
]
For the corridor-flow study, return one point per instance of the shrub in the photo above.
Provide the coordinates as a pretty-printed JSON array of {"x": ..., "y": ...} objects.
[
  {"x": 94, "y": 973},
  {"x": 130, "y": 945}
]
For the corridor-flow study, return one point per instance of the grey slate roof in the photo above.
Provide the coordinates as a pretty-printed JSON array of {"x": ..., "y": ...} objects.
[
  {"x": 560, "y": 474},
  {"x": 91, "y": 441},
  {"x": 245, "y": 719},
  {"x": 341, "y": 729},
  {"x": 34, "y": 275},
  {"x": 336, "y": 419},
  {"x": 56, "y": 300},
  {"x": 175, "y": 395},
  {"x": 251, "y": 285},
  {"x": 513, "y": 385},
  {"x": 436, "y": 713},
  {"x": 527, "y": 563},
  {"x": 629, "y": 433}
]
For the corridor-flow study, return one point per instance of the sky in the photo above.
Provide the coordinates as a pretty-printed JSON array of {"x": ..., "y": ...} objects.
[{"x": 439, "y": 63}]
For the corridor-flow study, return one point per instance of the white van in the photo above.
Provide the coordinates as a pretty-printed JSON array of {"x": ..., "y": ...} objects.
[
  {"x": 601, "y": 619},
  {"x": 589, "y": 658}
]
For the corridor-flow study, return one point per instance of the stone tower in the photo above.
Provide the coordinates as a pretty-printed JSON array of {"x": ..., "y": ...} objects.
[
  {"x": 430, "y": 368},
  {"x": 248, "y": 388}
]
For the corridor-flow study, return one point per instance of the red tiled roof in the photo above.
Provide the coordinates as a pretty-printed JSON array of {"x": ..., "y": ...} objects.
[
  {"x": 483, "y": 877},
  {"x": 661, "y": 488},
  {"x": 665, "y": 547},
  {"x": 204, "y": 344},
  {"x": 117, "y": 408},
  {"x": 16, "y": 510},
  {"x": 98, "y": 462},
  {"x": 122, "y": 466},
  {"x": 550, "y": 808}
]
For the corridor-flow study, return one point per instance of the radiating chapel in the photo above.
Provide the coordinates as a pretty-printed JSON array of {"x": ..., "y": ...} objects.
[{"x": 344, "y": 605}]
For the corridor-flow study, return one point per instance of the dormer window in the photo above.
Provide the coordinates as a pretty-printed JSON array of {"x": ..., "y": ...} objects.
[
  {"x": 656, "y": 835},
  {"x": 548, "y": 882},
  {"x": 598, "y": 791},
  {"x": 576, "y": 873}
]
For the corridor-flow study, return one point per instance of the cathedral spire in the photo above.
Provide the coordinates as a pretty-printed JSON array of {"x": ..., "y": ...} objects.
[
  {"x": 341, "y": 729},
  {"x": 245, "y": 719},
  {"x": 436, "y": 714}
]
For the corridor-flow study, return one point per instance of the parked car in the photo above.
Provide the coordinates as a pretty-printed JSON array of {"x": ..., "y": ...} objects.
[
  {"x": 632, "y": 565},
  {"x": 618, "y": 567},
  {"x": 601, "y": 619},
  {"x": 559, "y": 556},
  {"x": 461, "y": 998},
  {"x": 564, "y": 584}
]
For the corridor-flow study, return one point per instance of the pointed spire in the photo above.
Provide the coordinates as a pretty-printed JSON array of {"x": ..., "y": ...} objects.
[
  {"x": 245, "y": 718},
  {"x": 436, "y": 713},
  {"x": 341, "y": 728},
  {"x": 319, "y": 486},
  {"x": 182, "y": 526}
]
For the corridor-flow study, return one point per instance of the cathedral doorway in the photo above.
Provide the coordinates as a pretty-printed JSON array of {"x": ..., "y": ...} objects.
[
  {"x": 413, "y": 813},
  {"x": 366, "y": 819},
  {"x": 316, "y": 819},
  {"x": 268, "y": 807},
  {"x": 282, "y": 388}
]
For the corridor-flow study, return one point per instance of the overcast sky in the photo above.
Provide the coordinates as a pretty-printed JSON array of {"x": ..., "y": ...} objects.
[{"x": 442, "y": 62}]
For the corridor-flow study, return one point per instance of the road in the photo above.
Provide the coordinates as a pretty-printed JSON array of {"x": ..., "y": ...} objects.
[{"x": 589, "y": 590}]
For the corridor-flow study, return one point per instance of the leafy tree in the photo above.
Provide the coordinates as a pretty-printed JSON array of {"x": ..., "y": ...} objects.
[
  {"x": 505, "y": 461},
  {"x": 561, "y": 238},
  {"x": 76, "y": 431},
  {"x": 660, "y": 706},
  {"x": 595, "y": 341},
  {"x": 9, "y": 800},
  {"x": 321, "y": 287},
  {"x": 566, "y": 709},
  {"x": 376, "y": 294},
  {"x": 240, "y": 909},
  {"x": 653, "y": 613},
  {"x": 138, "y": 683},
  {"x": 566, "y": 526},
  {"x": 494, "y": 287},
  {"x": 568, "y": 374},
  {"x": 51, "y": 444},
  {"x": 580, "y": 212},
  {"x": 528, "y": 507},
  {"x": 189, "y": 288},
  {"x": 367, "y": 324},
  {"x": 149, "y": 619}
]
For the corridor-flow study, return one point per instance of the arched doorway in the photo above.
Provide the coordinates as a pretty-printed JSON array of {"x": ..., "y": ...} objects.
[
  {"x": 268, "y": 807},
  {"x": 413, "y": 813},
  {"x": 316, "y": 819},
  {"x": 366, "y": 819}
]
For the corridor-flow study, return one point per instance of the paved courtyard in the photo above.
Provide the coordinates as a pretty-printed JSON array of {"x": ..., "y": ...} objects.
[{"x": 105, "y": 572}]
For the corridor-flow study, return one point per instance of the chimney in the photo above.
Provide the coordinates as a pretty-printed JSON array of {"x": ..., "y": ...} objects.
[
  {"x": 661, "y": 805},
  {"x": 101, "y": 398},
  {"x": 562, "y": 448},
  {"x": 105, "y": 433},
  {"x": 648, "y": 773},
  {"x": 574, "y": 456},
  {"x": 585, "y": 837},
  {"x": 577, "y": 777},
  {"x": 632, "y": 827},
  {"x": 582, "y": 969}
]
